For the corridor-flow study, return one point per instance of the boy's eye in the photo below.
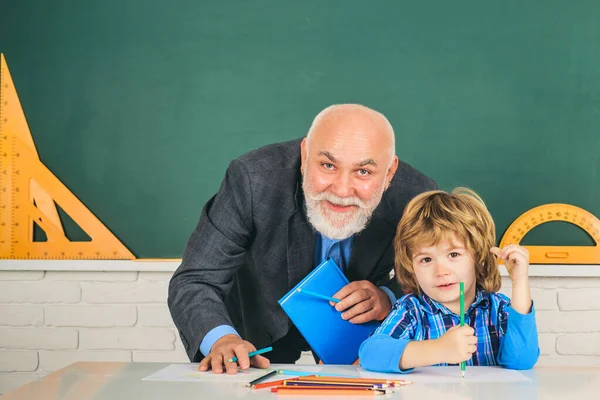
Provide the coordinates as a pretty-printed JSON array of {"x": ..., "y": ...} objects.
[
  {"x": 454, "y": 254},
  {"x": 425, "y": 260}
]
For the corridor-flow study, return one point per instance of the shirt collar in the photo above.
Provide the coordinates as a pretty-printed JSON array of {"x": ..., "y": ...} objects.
[
  {"x": 431, "y": 306},
  {"x": 331, "y": 242}
]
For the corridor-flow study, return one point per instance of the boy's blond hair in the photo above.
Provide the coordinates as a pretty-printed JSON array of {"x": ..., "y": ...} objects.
[{"x": 432, "y": 215}]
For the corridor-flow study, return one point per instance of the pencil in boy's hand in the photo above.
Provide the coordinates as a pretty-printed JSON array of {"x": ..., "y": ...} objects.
[
  {"x": 463, "y": 364},
  {"x": 252, "y": 353}
]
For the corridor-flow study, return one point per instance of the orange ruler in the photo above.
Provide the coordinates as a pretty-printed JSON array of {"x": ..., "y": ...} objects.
[
  {"x": 556, "y": 254},
  {"x": 29, "y": 193}
]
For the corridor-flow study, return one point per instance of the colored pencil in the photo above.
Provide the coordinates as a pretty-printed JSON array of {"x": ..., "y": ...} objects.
[
  {"x": 318, "y": 295},
  {"x": 335, "y": 384},
  {"x": 253, "y": 353},
  {"x": 272, "y": 383},
  {"x": 395, "y": 382},
  {"x": 302, "y": 373},
  {"x": 320, "y": 391},
  {"x": 262, "y": 378}
]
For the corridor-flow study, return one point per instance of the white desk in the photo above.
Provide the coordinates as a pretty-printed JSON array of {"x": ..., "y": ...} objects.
[{"x": 114, "y": 381}]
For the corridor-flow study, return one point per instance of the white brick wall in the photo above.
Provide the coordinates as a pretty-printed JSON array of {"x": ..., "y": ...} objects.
[
  {"x": 140, "y": 291},
  {"x": 13, "y": 361},
  {"x": 568, "y": 319},
  {"x": 91, "y": 315},
  {"x": 127, "y": 338},
  {"x": 50, "y": 320},
  {"x": 587, "y": 344},
  {"x": 36, "y": 338},
  {"x": 21, "y": 315},
  {"x": 579, "y": 299},
  {"x": 22, "y": 275},
  {"x": 154, "y": 315},
  {"x": 39, "y": 292}
]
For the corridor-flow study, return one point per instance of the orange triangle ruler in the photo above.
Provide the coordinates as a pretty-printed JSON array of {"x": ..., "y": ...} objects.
[{"x": 29, "y": 193}]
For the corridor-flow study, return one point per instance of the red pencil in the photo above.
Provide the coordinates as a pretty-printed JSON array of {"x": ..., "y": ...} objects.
[
  {"x": 271, "y": 384},
  {"x": 324, "y": 391}
]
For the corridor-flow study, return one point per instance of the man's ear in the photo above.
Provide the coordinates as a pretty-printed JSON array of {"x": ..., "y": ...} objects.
[
  {"x": 303, "y": 155},
  {"x": 391, "y": 171}
]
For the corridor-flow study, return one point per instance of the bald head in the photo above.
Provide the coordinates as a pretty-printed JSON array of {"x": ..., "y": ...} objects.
[
  {"x": 347, "y": 161},
  {"x": 354, "y": 121}
]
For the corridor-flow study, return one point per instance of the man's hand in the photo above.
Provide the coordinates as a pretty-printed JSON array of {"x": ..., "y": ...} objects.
[
  {"x": 458, "y": 344},
  {"x": 362, "y": 302},
  {"x": 227, "y": 347}
]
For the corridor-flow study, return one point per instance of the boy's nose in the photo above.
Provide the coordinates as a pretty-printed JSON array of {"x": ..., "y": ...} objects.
[{"x": 441, "y": 269}]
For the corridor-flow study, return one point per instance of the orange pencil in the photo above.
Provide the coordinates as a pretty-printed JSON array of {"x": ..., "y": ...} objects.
[
  {"x": 274, "y": 383},
  {"x": 352, "y": 380},
  {"x": 287, "y": 390}
]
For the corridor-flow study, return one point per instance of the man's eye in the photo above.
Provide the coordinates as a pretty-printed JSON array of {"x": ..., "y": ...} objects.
[{"x": 327, "y": 165}]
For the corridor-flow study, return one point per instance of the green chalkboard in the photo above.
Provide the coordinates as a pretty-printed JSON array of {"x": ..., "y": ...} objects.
[{"x": 138, "y": 106}]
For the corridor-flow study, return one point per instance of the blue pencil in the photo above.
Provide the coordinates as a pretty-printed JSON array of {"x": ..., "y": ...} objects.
[
  {"x": 320, "y": 296},
  {"x": 253, "y": 353},
  {"x": 302, "y": 373}
]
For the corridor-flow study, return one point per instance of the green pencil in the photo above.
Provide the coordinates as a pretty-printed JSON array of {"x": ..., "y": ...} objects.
[{"x": 463, "y": 364}]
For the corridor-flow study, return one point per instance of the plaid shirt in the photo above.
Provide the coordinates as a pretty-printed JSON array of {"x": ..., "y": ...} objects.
[{"x": 422, "y": 318}]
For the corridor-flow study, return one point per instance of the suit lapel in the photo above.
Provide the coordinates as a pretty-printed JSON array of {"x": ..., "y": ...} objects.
[
  {"x": 301, "y": 242},
  {"x": 370, "y": 244}
]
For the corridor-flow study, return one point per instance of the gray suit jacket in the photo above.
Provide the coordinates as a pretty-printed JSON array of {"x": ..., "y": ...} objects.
[{"x": 253, "y": 243}]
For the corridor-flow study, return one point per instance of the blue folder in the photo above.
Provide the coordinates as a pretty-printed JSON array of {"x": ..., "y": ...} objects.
[{"x": 335, "y": 340}]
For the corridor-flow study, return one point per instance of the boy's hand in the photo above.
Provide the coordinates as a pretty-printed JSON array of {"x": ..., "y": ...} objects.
[
  {"x": 458, "y": 344},
  {"x": 516, "y": 261}
]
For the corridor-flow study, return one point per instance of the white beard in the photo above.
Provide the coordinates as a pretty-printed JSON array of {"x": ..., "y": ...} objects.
[{"x": 338, "y": 225}]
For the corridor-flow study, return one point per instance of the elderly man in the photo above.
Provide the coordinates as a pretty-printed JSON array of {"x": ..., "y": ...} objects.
[{"x": 280, "y": 211}]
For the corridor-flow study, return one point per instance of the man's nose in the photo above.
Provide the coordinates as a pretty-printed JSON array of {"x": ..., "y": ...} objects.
[{"x": 342, "y": 185}]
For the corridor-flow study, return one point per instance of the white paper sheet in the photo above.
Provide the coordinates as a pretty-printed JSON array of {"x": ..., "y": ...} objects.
[
  {"x": 190, "y": 373},
  {"x": 445, "y": 374}
]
